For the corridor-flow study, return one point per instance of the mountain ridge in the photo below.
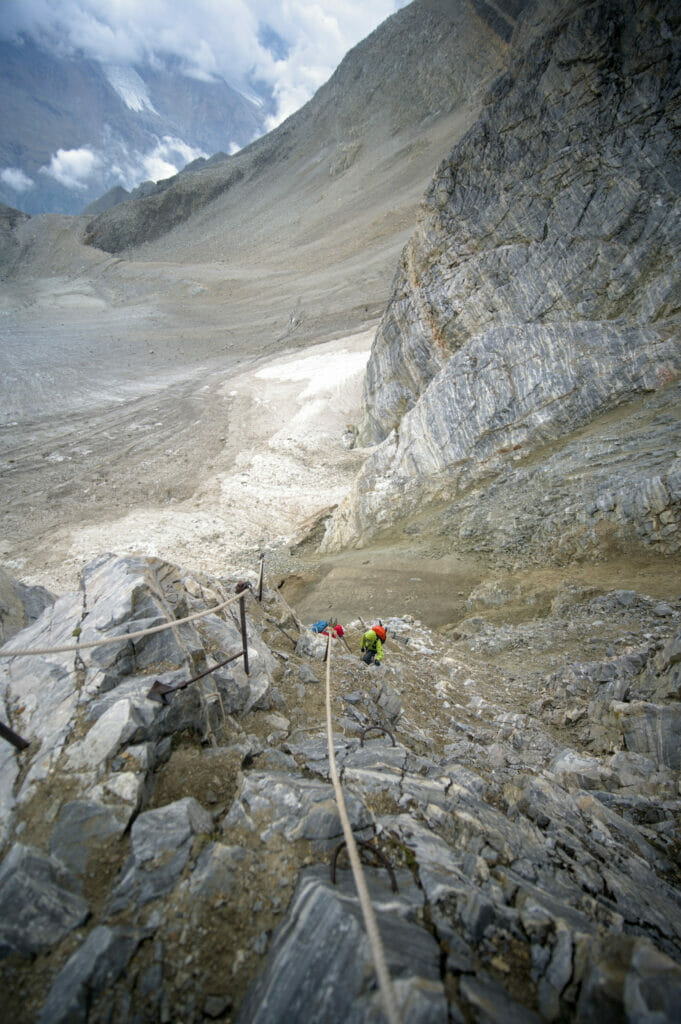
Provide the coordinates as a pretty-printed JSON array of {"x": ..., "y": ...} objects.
[
  {"x": 85, "y": 126},
  {"x": 539, "y": 291}
]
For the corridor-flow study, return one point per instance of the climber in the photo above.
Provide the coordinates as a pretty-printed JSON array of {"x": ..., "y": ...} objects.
[
  {"x": 372, "y": 645},
  {"x": 323, "y": 627}
]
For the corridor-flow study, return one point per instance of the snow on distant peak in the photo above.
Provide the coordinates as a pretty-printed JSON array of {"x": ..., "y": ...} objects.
[
  {"x": 252, "y": 97},
  {"x": 130, "y": 87}
]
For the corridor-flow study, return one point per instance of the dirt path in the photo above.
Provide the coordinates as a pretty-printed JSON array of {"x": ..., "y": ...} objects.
[{"x": 395, "y": 581}]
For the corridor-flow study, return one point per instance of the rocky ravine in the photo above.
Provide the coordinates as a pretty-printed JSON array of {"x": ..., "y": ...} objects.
[
  {"x": 537, "y": 304},
  {"x": 166, "y": 863}
]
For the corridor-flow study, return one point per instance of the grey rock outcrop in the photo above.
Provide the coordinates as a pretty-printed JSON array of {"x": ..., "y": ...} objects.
[
  {"x": 320, "y": 968},
  {"x": 160, "y": 846},
  {"x": 539, "y": 293},
  {"x": 38, "y": 901},
  {"x": 93, "y": 968},
  {"x": 20, "y": 605}
]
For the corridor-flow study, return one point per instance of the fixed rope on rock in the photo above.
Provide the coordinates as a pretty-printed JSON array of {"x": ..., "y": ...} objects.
[
  {"x": 377, "y": 951},
  {"x": 70, "y": 648},
  {"x": 159, "y": 691}
]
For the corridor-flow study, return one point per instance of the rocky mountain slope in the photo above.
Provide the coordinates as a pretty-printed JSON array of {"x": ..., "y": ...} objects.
[
  {"x": 176, "y": 860},
  {"x": 415, "y": 68},
  {"x": 295, "y": 238},
  {"x": 523, "y": 384},
  {"x": 75, "y": 128},
  {"x": 519, "y": 768},
  {"x": 103, "y": 350}
]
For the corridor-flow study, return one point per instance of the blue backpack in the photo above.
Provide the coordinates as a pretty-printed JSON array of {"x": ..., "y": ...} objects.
[{"x": 319, "y": 626}]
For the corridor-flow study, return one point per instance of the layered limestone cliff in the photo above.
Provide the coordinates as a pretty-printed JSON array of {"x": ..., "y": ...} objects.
[{"x": 537, "y": 300}]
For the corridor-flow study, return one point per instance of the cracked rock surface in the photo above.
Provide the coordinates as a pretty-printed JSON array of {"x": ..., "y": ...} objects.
[{"x": 518, "y": 799}]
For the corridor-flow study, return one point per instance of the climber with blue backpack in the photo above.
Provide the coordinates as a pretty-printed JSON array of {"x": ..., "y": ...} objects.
[{"x": 323, "y": 627}]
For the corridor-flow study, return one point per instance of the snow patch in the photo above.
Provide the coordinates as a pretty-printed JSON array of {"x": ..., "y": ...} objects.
[{"x": 130, "y": 87}]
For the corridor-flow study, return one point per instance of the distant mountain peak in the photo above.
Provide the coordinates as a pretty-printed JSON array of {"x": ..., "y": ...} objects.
[{"x": 75, "y": 129}]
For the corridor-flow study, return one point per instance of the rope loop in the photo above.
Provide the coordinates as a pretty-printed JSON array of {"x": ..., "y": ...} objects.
[
  {"x": 376, "y": 728},
  {"x": 378, "y": 855}
]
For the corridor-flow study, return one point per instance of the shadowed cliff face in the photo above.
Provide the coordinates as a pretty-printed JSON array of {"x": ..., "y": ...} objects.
[{"x": 539, "y": 292}]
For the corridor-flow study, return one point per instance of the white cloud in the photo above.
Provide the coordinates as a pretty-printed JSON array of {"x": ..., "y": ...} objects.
[
  {"x": 88, "y": 168},
  {"x": 129, "y": 168},
  {"x": 166, "y": 159},
  {"x": 15, "y": 179},
  {"x": 225, "y": 38},
  {"x": 72, "y": 167}
]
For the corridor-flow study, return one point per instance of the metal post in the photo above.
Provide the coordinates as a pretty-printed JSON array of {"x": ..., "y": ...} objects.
[
  {"x": 244, "y": 636},
  {"x": 262, "y": 573},
  {"x": 12, "y": 737}
]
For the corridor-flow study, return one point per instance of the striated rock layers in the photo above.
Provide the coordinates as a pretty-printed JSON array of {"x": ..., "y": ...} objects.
[
  {"x": 172, "y": 861},
  {"x": 525, "y": 371}
]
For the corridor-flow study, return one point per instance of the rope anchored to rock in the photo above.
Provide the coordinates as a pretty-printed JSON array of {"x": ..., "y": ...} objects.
[
  {"x": 77, "y": 647},
  {"x": 373, "y": 934}
]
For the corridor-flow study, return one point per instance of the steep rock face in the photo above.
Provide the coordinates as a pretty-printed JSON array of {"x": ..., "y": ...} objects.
[
  {"x": 541, "y": 287},
  {"x": 20, "y": 605}
]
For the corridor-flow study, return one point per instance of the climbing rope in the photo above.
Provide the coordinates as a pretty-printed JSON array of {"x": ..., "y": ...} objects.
[
  {"x": 375, "y": 942},
  {"x": 123, "y": 636}
]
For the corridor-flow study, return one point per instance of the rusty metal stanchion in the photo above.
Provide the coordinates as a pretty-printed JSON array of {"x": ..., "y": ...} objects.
[
  {"x": 244, "y": 635},
  {"x": 261, "y": 577},
  {"x": 12, "y": 737},
  {"x": 281, "y": 630},
  {"x": 159, "y": 691}
]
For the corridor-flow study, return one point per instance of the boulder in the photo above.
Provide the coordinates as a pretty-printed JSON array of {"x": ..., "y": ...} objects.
[
  {"x": 20, "y": 605},
  {"x": 320, "y": 966},
  {"x": 89, "y": 972},
  {"x": 39, "y": 903},
  {"x": 278, "y": 803},
  {"x": 160, "y": 842}
]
